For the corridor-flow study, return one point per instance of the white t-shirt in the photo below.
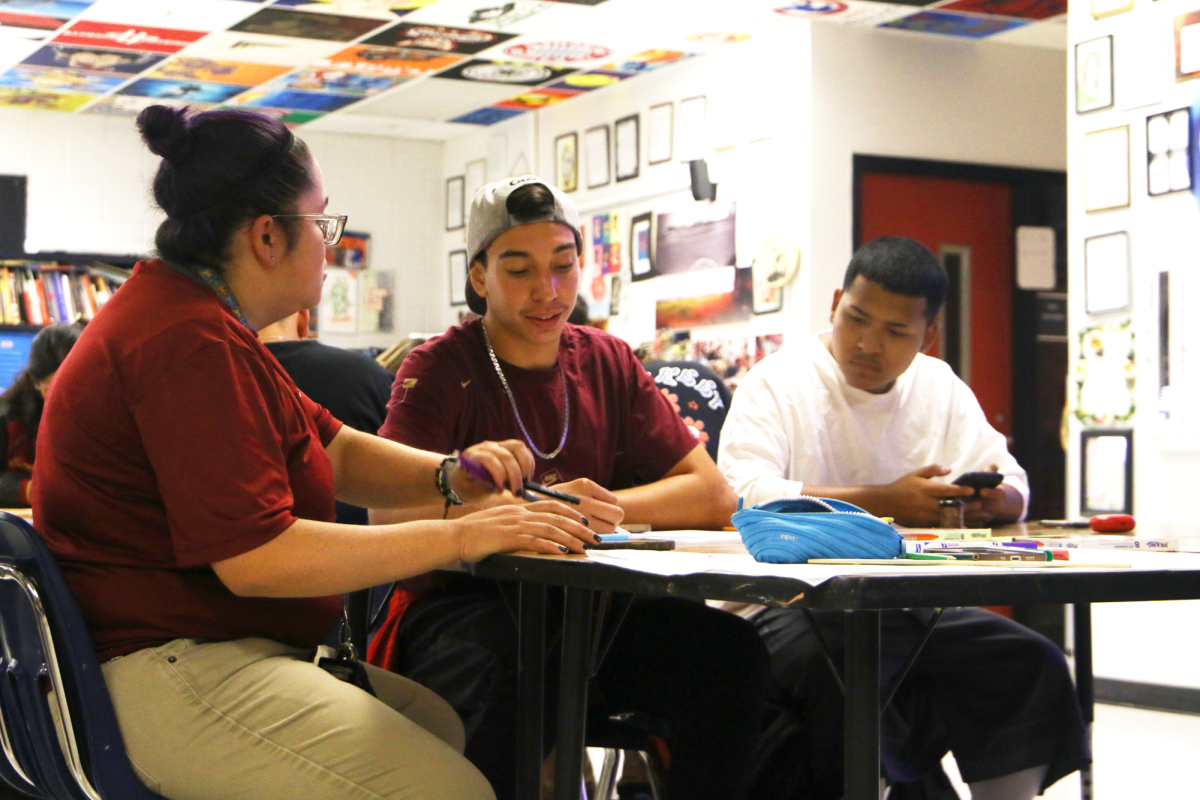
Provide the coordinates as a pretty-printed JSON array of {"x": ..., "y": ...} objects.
[{"x": 795, "y": 420}]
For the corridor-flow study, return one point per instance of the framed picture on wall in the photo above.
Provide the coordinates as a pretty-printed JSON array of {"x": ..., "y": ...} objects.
[
  {"x": 693, "y": 128},
  {"x": 1106, "y": 8},
  {"x": 458, "y": 278},
  {"x": 628, "y": 134},
  {"x": 1094, "y": 75},
  {"x": 1106, "y": 474},
  {"x": 454, "y": 203},
  {"x": 476, "y": 175},
  {"x": 596, "y": 144},
  {"x": 1106, "y": 273},
  {"x": 1106, "y": 169},
  {"x": 1187, "y": 46},
  {"x": 1169, "y": 151},
  {"x": 566, "y": 162},
  {"x": 661, "y": 137}
]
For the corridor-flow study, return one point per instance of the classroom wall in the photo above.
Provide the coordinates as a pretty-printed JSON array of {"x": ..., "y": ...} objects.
[
  {"x": 767, "y": 179},
  {"x": 1149, "y": 642},
  {"x": 896, "y": 94},
  {"x": 837, "y": 90},
  {"x": 89, "y": 180}
]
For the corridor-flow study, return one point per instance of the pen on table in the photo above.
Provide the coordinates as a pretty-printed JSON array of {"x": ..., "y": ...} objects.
[{"x": 929, "y": 557}]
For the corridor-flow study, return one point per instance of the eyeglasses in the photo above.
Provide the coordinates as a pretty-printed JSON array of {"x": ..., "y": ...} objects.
[{"x": 331, "y": 225}]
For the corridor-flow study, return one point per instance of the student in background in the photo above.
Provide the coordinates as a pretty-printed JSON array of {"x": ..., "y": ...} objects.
[
  {"x": 187, "y": 488},
  {"x": 349, "y": 385},
  {"x": 21, "y": 411},
  {"x": 860, "y": 414},
  {"x": 610, "y": 438}
]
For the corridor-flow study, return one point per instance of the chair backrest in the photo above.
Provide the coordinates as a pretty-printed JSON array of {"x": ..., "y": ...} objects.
[
  {"x": 75, "y": 750},
  {"x": 702, "y": 397}
]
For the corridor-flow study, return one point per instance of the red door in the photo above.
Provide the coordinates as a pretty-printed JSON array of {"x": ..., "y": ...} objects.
[{"x": 967, "y": 223}]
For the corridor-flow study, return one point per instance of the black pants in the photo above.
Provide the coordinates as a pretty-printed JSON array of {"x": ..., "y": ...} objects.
[
  {"x": 704, "y": 671},
  {"x": 996, "y": 694}
]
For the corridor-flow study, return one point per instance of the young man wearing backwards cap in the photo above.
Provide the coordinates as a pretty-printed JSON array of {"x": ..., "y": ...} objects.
[
  {"x": 859, "y": 413},
  {"x": 598, "y": 429}
]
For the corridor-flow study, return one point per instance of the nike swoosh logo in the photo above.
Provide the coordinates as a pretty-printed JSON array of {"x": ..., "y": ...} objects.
[{"x": 464, "y": 384}]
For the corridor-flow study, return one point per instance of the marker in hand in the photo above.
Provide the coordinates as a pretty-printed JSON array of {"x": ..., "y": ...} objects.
[{"x": 476, "y": 472}]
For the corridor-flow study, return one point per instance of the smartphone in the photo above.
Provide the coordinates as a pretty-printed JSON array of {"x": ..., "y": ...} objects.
[{"x": 979, "y": 480}]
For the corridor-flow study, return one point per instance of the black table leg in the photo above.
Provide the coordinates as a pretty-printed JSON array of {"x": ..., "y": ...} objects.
[
  {"x": 861, "y": 762},
  {"x": 531, "y": 663},
  {"x": 572, "y": 693},
  {"x": 1085, "y": 685}
]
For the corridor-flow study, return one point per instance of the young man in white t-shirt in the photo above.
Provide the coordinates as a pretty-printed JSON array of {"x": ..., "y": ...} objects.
[{"x": 859, "y": 413}]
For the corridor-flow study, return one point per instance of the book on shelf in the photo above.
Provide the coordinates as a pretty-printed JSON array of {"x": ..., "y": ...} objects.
[{"x": 40, "y": 294}]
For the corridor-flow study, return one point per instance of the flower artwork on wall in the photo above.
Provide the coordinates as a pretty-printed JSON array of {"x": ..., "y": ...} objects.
[{"x": 1105, "y": 375}]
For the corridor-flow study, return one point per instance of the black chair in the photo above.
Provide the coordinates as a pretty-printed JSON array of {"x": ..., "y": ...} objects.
[
  {"x": 51, "y": 687},
  {"x": 702, "y": 398}
]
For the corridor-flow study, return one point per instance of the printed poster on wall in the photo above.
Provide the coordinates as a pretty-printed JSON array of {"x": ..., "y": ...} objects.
[
  {"x": 339, "y": 301},
  {"x": 700, "y": 237}
]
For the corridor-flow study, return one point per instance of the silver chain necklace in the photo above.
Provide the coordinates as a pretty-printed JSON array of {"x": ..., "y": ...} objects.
[{"x": 566, "y": 402}]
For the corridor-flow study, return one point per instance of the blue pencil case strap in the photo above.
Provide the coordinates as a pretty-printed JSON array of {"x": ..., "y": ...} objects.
[{"x": 791, "y": 530}]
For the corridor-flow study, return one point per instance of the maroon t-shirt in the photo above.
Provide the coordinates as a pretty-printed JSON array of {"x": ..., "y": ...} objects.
[
  {"x": 447, "y": 396},
  {"x": 173, "y": 439},
  {"x": 623, "y": 432}
]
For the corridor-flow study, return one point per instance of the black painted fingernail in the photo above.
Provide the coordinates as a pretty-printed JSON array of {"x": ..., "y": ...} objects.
[
  {"x": 585, "y": 521},
  {"x": 564, "y": 548},
  {"x": 596, "y": 536}
]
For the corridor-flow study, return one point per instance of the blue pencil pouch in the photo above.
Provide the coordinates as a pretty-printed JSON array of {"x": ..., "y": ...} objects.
[{"x": 792, "y": 530}]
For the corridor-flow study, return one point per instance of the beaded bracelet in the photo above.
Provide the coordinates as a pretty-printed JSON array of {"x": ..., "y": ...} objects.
[{"x": 442, "y": 482}]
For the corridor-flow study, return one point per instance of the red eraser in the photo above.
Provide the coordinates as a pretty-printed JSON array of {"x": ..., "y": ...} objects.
[{"x": 1112, "y": 523}]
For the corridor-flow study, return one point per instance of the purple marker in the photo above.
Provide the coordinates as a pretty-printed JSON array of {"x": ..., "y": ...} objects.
[{"x": 475, "y": 471}]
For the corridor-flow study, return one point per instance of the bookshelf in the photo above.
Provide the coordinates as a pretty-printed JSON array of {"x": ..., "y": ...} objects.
[{"x": 56, "y": 288}]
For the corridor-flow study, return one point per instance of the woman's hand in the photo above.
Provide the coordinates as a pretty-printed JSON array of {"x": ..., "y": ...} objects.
[
  {"x": 508, "y": 463},
  {"x": 598, "y": 504},
  {"x": 542, "y": 527}
]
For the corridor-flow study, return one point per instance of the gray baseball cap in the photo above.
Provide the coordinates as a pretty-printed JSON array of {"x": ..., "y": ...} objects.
[{"x": 490, "y": 215}]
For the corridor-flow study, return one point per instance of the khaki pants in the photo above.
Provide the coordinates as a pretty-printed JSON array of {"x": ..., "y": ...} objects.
[{"x": 253, "y": 720}]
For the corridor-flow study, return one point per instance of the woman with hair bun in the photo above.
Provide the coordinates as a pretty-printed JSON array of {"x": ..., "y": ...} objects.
[
  {"x": 21, "y": 410},
  {"x": 187, "y": 488}
]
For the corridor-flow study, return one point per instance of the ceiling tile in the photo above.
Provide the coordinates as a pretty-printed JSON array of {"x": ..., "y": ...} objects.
[
  {"x": 260, "y": 49},
  {"x": 434, "y": 99}
]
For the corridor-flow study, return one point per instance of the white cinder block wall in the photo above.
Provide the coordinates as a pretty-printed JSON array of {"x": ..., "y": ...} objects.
[{"x": 89, "y": 192}]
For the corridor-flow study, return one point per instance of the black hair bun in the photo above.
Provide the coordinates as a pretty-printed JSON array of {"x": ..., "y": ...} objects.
[{"x": 165, "y": 131}]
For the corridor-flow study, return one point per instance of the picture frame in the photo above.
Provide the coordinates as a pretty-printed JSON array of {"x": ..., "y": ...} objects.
[
  {"x": 457, "y": 262},
  {"x": 596, "y": 145},
  {"x": 1108, "y": 8},
  {"x": 693, "y": 128},
  {"x": 661, "y": 134},
  {"x": 1094, "y": 75},
  {"x": 1187, "y": 46},
  {"x": 1106, "y": 471},
  {"x": 566, "y": 162},
  {"x": 476, "y": 177},
  {"x": 455, "y": 192},
  {"x": 1106, "y": 273},
  {"x": 1106, "y": 169},
  {"x": 628, "y": 132},
  {"x": 1169, "y": 151},
  {"x": 641, "y": 246}
]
